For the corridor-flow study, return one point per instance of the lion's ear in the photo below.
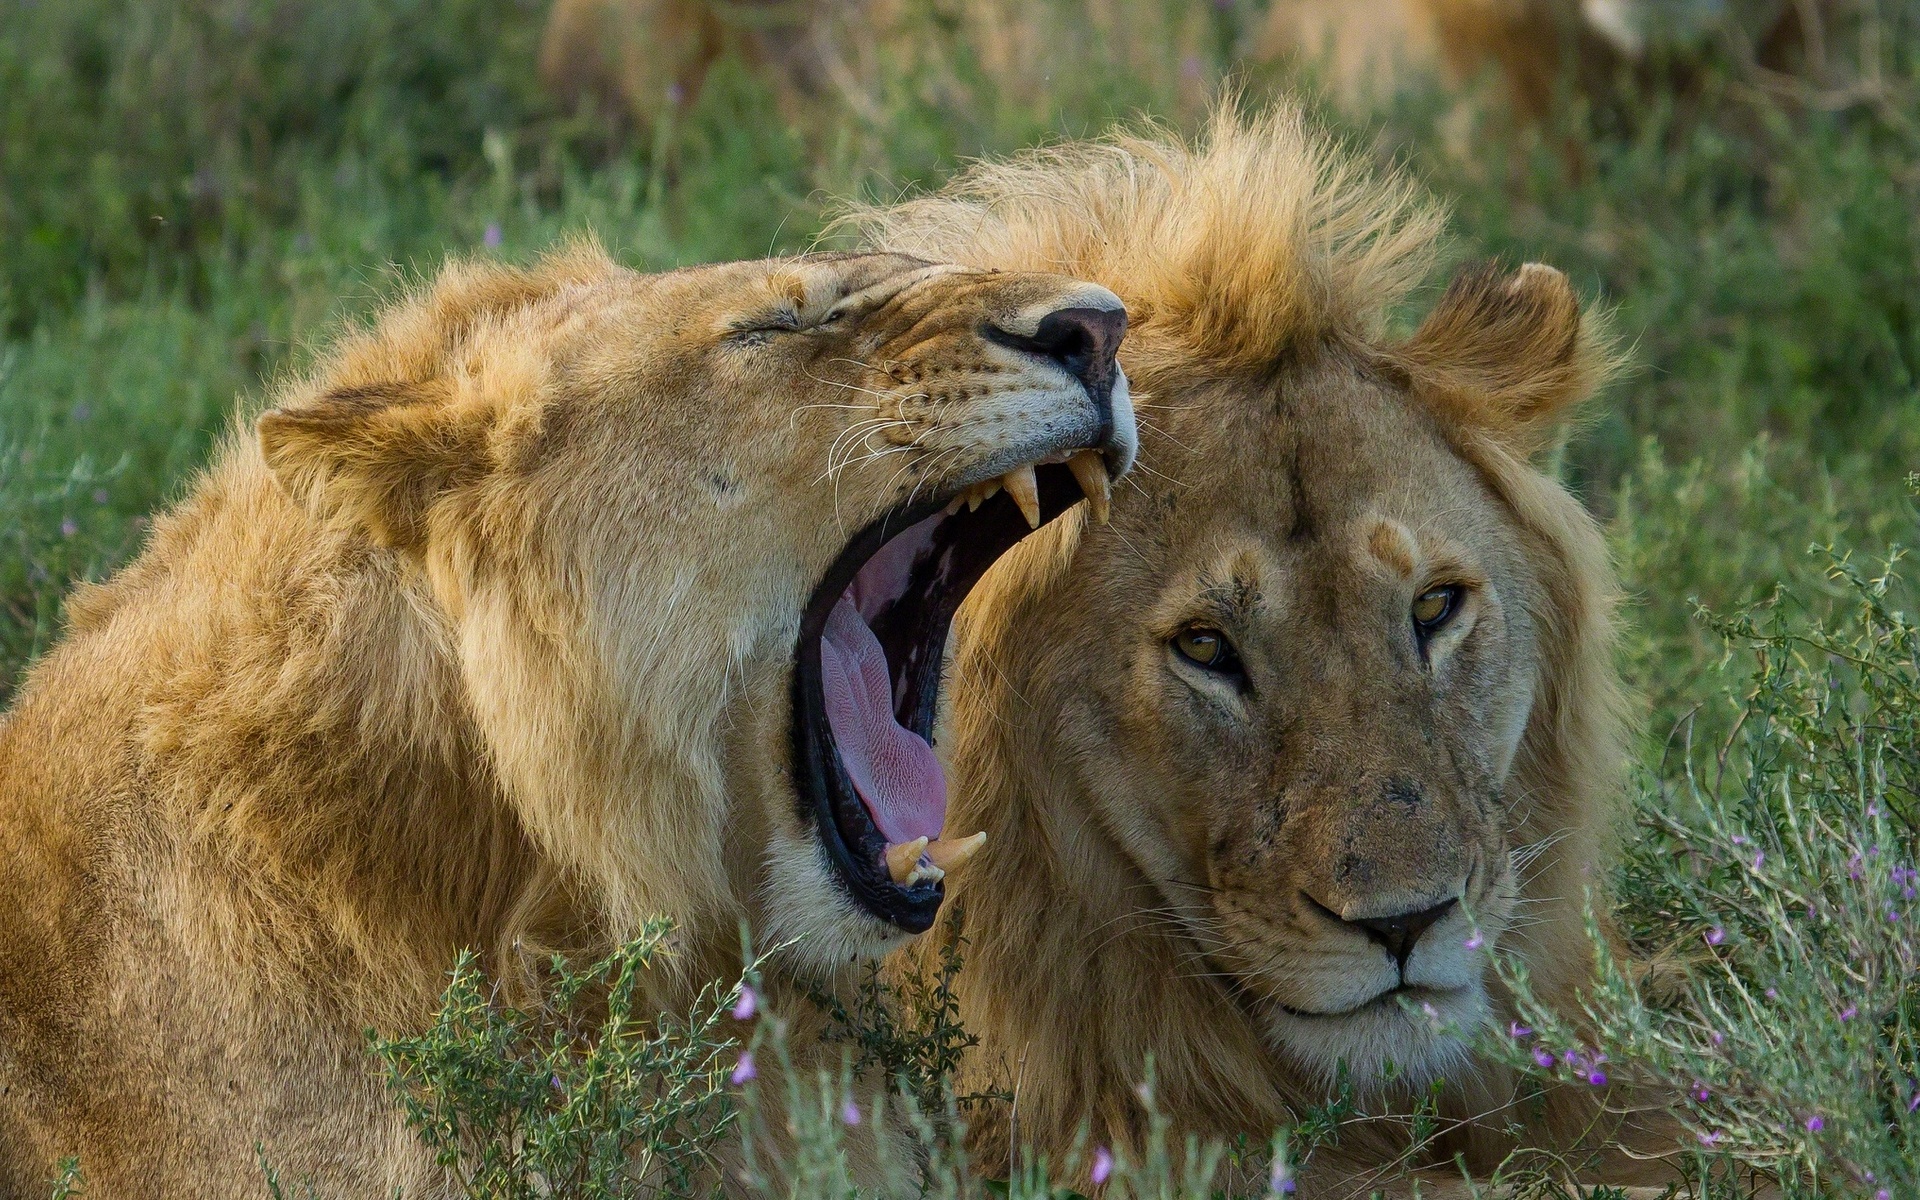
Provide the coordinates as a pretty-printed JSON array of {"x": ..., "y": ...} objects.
[
  {"x": 378, "y": 454},
  {"x": 1509, "y": 354}
]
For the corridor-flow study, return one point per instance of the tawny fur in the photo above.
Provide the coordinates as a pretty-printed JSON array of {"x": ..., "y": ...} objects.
[
  {"x": 484, "y": 640},
  {"x": 1149, "y": 832}
]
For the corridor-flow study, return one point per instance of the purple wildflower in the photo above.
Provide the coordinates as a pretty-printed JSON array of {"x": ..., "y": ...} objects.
[
  {"x": 1716, "y": 935},
  {"x": 492, "y": 238},
  {"x": 1716, "y": 1037},
  {"x": 1708, "y": 1139},
  {"x": 1102, "y": 1165},
  {"x": 1516, "y": 1030},
  {"x": 68, "y": 528},
  {"x": 1474, "y": 942},
  {"x": 1759, "y": 856},
  {"x": 1815, "y": 1124},
  {"x": 1597, "y": 1078},
  {"x": 100, "y": 496},
  {"x": 1849, "y": 1012},
  {"x": 1700, "y": 1092},
  {"x": 1543, "y": 1056},
  {"x": 1770, "y": 994},
  {"x": 1914, "y": 1103},
  {"x": 849, "y": 1113},
  {"x": 747, "y": 1005},
  {"x": 744, "y": 1071},
  {"x": 1280, "y": 1177}
]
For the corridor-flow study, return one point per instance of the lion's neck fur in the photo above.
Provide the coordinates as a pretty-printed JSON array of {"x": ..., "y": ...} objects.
[{"x": 305, "y": 751}]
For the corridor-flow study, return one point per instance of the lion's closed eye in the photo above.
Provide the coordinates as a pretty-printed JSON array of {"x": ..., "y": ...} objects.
[{"x": 756, "y": 327}]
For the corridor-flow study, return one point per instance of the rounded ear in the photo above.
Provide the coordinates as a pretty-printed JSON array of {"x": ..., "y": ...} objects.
[
  {"x": 376, "y": 455},
  {"x": 1510, "y": 355}
]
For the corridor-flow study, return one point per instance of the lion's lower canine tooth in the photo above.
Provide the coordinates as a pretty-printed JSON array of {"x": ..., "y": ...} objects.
[
  {"x": 948, "y": 853},
  {"x": 1091, "y": 470},
  {"x": 903, "y": 858},
  {"x": 1025, "y": 490}
]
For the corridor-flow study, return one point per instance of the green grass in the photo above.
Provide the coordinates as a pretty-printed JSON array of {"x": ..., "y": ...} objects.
[{"x": 192, "y": 194}]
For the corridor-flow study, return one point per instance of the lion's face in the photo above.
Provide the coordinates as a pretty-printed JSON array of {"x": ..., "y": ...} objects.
[
  {"x": 1315, "y": 667},
  {"x": 698, "y": 538}
]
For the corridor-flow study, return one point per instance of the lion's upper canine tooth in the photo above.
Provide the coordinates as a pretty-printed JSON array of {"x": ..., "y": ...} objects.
[
  {"x": 1091, "y": 470},
  {"x": 948, "y": 853},
  {"x": 904, "y": 858},
  {"x": 1025, "y": 490}
]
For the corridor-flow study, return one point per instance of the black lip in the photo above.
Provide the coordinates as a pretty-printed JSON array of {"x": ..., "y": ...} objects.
[{"x": 825, "y": 794}]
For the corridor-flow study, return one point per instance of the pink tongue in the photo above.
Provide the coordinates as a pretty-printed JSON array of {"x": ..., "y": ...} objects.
[{"x": 892, "y": 768}]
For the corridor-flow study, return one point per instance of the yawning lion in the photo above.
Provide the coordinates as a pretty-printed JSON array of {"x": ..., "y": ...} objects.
[{"x": 555, "y": 600}]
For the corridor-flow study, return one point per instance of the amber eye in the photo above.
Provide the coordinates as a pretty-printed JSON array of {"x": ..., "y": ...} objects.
[
  {"x": 1433, "y": 608},
  {"x": 1209, "y": 648}
]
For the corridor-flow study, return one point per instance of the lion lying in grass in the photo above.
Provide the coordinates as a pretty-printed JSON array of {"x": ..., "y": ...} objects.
[
  {"x": 555, "y": 600},
  {"x": 1273, "y": 762}
]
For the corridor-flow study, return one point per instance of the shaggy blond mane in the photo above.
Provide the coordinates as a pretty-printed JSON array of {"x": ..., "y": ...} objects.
[{"x": 1229, "y": 249}]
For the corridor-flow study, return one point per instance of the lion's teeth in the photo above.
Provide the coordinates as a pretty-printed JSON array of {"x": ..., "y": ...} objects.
[
  {"x": 1025, "y": 490},
  {"x": 953, "y": 505},
  {"x": 980, "y": 493},
  {"x": 1091, "y": 470},
  {"x": 904, "y": 859},
  {"x": 924, "y": 873},
  {"x": 948, "y": 853}
]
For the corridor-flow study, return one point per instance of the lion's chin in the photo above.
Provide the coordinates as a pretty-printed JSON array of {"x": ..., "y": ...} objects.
[
  {"x": 1402, "y": 1040},
  {"x": 810, "y": 924}
]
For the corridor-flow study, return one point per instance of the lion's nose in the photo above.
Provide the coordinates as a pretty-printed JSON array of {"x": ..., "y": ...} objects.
[
  {"x": 1399, "y": 932},
  {"x": 1083, "y": 340}
]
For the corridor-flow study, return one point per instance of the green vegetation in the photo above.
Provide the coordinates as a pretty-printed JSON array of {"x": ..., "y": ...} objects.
[{"x": 192, "y": 193}]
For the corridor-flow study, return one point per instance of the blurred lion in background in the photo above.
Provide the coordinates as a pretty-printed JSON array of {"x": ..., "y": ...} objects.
[
  {"x": 639, "y": 61},
  {"x": 1271, "y": 763}
]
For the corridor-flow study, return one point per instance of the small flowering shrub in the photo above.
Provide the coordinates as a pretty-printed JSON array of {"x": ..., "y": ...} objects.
[
  {"x": 1774, "y": 873},
  {"x": 908, "y": 1029},
  {"x": 590, "y": 1096}
]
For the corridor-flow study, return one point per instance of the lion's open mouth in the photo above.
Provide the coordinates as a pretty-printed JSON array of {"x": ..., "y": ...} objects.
[{"x": 867, "y": 683}]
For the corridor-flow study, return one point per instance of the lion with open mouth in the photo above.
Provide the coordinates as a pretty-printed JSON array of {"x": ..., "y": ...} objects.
[
  {"x": 554, "y": 600},
  {"x": 1273, "y": 763}
]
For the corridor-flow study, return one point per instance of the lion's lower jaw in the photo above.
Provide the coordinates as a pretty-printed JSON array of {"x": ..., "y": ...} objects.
[
  {"x": 811, "y": 926},
  {"x": 1386, "y": 1048}
]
